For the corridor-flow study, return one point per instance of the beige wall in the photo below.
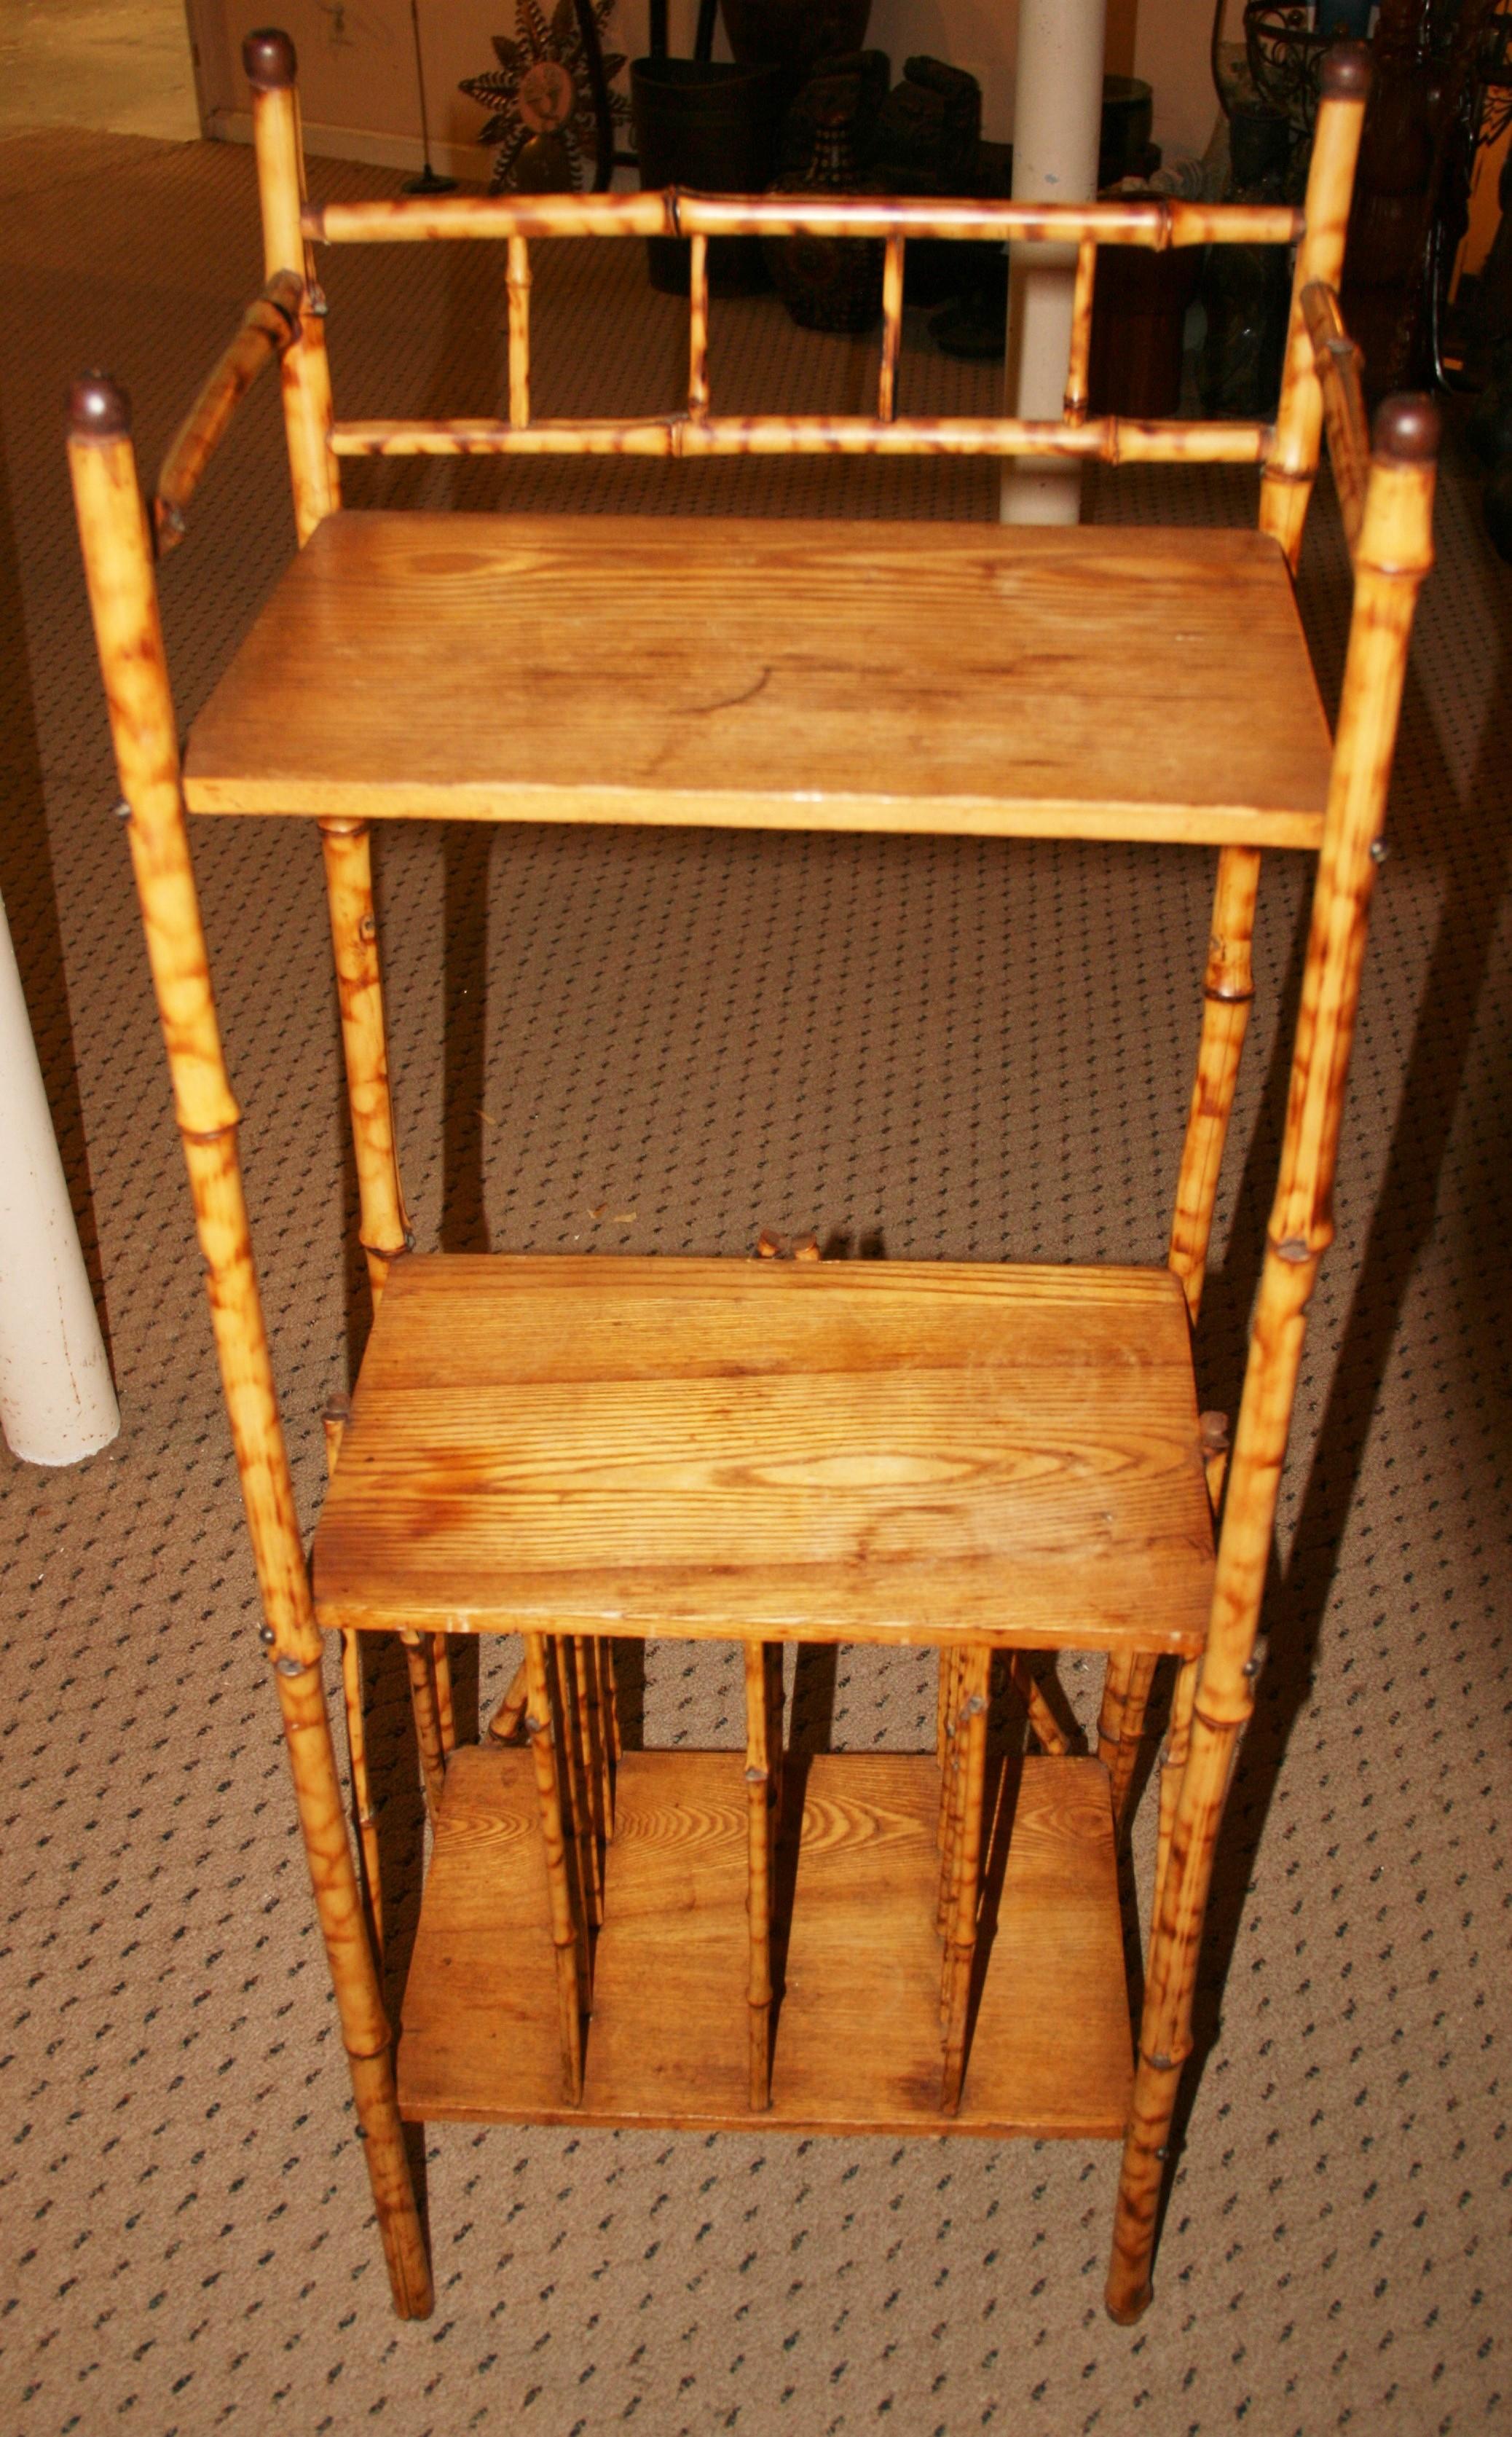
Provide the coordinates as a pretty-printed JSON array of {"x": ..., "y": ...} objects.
[{"x": 356, "y": 64}]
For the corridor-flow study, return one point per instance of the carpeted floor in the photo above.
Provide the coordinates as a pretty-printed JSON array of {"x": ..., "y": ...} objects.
[{"x": 904, "y": 1042}]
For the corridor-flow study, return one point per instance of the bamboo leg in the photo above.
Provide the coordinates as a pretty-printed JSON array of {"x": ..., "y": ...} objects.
[
  {"x": 123, "y": 603},
  {"x": 538, "y": 1727},
  {"x": 1228, "y": 991},
  {"x": 761, "y": 1789},
  {"x": 509, "y": 1718},
  {"x": 1121, "y": 1722},
  {"x": 346, "y": 849},
  {"x": 698, "y": 330},
  {"x": 1178, "y": 1736},
  {"x": 950, "y": 1665},
  {"x": 1045, "y": 1727},
  {"x": 518, "y": 284},
  {"x": 892, "y": 329},
  {"x": 971, "y": 1744},
  {"x": 428, "y": 1725}
]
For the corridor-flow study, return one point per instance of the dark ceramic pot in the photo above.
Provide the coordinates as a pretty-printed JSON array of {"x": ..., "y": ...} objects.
[{"x": 793, "y": 35}]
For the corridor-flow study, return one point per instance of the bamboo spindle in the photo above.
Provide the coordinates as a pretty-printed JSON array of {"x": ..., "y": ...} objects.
[
  {"x": 1121, "y": 1722},
  {"x": 269, "y": 60},
  {"x": 123, "y": 602},
  {"x": 1292, "y": 466},
  {"x": 1077, "y": 372},
  {"x": 538, "y": 1727},
  {"x": 961, "y": 1936},
  {"x": 519, "y": 288},
  {"x": 1394, "y": 554},
  {"x": 1227, "y": 992},
  {"x": 892, "y": 329},
  {"x": 420, "y": 1660},
  {"x": 592, "y": 1695},
  {"x": 509, "y": 1718},
  {"x": 347, "y": 851},
  {"x": 698, "y": 330},
  {"x": 1339, "y": 365},
  {"x": 611, "y": 1707},
  {"x": 762, "y": 1768}
]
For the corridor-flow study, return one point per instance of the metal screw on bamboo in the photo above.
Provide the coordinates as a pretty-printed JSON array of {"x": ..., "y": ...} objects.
[
  {"x": 1394, "y": 553},
  {"x": 123, "y": 603}
]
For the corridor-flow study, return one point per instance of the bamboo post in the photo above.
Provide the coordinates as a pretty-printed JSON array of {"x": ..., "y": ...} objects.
[
  {"x": 538, "y": 1727},
  {"x": 762, "y": 1774},
  {"x": 1083, "y": 294},
  {"x": 591, "y": 1693},
  {"x": 445, "y": 1704},
  {"x": 1394, "y": 554},
  {"x": 419, "y": 1661},
  {"x": 270, "y": 65},
  {"x": 346, "y": 849},
  {"x": 891, "y": 329},
  {"x": 585, "y": 1701},
  {"x": 698, "y": 330},
  {"x": 123, "y": 602},
  {"x": 517, "y": 285},
  {"x": 1292, "y": 464},
  {"x": 1339, "y": 365},
  {"x": 1227, "y": 992},
  {"x": 1121, "y": 1722},
  {"x": 961, "y": 1936}
]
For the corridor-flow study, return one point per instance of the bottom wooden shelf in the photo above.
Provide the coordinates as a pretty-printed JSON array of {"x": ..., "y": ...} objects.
[{"x": 857, "y": 2036}]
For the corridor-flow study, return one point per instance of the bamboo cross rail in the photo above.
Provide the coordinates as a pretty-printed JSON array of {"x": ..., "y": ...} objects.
[{"x": 268, "y": 329}]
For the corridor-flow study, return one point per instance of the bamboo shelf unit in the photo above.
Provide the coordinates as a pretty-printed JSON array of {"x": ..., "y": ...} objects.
[{"x": 985, "y": 1461}]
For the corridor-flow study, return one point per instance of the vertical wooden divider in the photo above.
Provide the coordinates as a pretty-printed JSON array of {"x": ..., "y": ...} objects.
[
  {"x": 1121, "y": 1722},
  {"x": 763, "y": 1767},
  {"x": 975, "y": 1678},
  {"x": 554, "y": 1832}
]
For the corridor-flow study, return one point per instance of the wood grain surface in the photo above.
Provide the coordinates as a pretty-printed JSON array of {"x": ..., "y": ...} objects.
[
  {"x": 858, "y": 2031},
  {"x": 966, "y": 678},
  {"x": 892, "y": 1452}
]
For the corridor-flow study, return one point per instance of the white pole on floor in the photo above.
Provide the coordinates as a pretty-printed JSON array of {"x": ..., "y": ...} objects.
[
  {"x": 57, "y": 1403},
  {"x": 1057, "y": 122}
]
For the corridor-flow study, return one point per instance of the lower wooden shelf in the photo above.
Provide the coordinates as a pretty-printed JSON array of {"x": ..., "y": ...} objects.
[{"x": 857, "y": 2044}]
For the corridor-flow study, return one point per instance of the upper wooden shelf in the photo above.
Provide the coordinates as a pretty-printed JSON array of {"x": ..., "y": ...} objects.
[
  {"x": 979, "y": 679},
  {"x": 892, "y": 1451}
]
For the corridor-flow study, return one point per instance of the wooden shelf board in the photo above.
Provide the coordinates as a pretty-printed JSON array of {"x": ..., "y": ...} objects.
[
  {"x": 890, "y": 1451},
  {"x": 962, "y": 679},
  {"x": 857, "y": 2036}
]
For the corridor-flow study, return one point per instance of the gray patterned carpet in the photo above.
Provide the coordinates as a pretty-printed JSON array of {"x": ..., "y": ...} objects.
[{"x": 902, "y": 1040}]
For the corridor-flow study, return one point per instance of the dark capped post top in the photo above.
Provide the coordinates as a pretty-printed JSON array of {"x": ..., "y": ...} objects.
[
  {"x": 1347, "y": 71},
  {"x": 1408, "y": 429},
  {"x": 267, "y": 56},
  {"x": 98, "y": 408}
]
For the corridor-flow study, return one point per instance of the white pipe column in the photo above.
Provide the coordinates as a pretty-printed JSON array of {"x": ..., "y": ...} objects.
[
  {"x": 1058, "y": 123},
  {"x": 56, "y": 1399}
]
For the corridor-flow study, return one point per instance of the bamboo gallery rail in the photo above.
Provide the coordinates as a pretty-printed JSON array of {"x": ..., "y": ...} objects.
[{"x": 909, "y": 1859}]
